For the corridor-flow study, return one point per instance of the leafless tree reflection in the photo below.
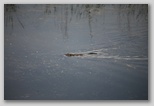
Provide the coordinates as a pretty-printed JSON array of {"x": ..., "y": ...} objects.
[
  {"x": 10, "y": 13},
  {"x": 64, "y": 14}
]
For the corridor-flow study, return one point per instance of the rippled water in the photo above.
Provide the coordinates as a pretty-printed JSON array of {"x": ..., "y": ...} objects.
[
  {"x": 113, "y": 41},
  {"x": 102, "y": 53}
]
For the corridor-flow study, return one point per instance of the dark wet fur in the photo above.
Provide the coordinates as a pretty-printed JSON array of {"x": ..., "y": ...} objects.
[
  {"x": 73, "y": 54},
  {"x": 69, "y": 54}
]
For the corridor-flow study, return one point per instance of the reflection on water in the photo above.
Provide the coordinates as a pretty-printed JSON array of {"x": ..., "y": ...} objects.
[
  {"x": 9, "y": 10},
  {"x": 126, "y": 14},
  {"x": 109, "y": 44}
]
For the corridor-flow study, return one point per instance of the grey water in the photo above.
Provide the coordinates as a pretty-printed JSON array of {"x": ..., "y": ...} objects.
[{"x": 37, "y": 37}]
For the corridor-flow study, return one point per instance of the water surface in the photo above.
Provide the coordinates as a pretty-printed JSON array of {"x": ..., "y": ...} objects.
[{"x": 36, "y": 37}]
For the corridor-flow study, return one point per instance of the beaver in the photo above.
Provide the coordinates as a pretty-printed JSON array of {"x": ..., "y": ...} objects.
[
  {"x": 78, "y": 54},
  {"x": 70, "y": 54}
]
